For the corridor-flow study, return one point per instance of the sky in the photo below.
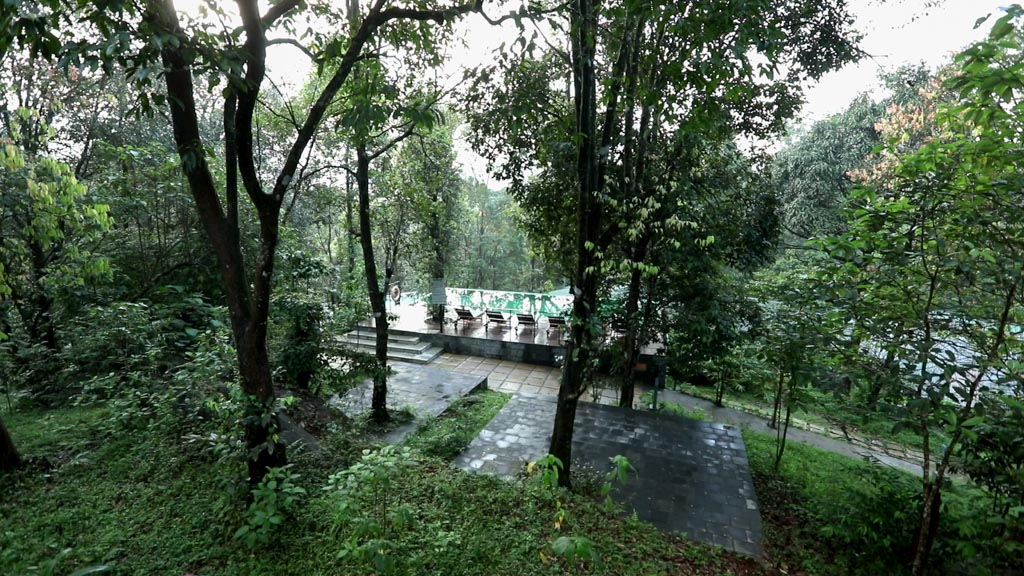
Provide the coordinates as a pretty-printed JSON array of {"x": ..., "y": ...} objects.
[
  {"x": 899, "y": 32},
  {"x": 895, "y": 32}
]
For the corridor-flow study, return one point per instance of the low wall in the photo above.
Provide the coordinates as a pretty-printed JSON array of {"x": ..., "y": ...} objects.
[
  {"x": 514, "y": 351},
  {"x": 539, "y": 354}
]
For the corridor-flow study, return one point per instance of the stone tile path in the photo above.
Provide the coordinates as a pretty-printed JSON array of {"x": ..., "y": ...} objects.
[
  {"x": 426, "y": 390},
  {"x": 693, "y": 477},
  {"x": 821, "y": 441},
  {"x": 516, "y": 377}
]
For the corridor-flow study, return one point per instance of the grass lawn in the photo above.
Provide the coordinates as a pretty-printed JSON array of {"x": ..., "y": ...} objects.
[
  {"x": 826, "y": 412},
  {"x": 147, "y": 502}
]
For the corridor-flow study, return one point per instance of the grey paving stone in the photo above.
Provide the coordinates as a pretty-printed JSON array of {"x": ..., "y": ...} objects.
[
  {"x": 426, "y": 390},
  {"x": 692, "y": 476}
]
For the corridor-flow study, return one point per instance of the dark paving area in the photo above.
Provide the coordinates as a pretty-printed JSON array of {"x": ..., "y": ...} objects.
[
  {"x": 425, "y": 390},
  {"x": 692, "y": 476}
]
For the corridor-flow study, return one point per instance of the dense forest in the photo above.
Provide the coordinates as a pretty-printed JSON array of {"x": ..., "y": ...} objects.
[{"x": 183, "y": 242}]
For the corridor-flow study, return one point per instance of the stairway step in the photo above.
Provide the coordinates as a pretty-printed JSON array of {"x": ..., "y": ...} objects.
[
  {"x": 425, "y": 356},
  {"x": 416, "y": 346},
  {"x": 371, "y": 332}
]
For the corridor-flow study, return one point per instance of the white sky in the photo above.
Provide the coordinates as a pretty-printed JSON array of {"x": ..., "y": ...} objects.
[
  {"x": 900, "y": 32},
  {"x": 895, "y": 32}
]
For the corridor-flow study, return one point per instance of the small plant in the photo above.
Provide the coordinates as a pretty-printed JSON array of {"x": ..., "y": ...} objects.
[
  {"x": 371, "y": 508},
  {"x": 576, "y": 551},
  {"x": 548, "y": 465},
  {"x": 50, "y": 567},
  {"x": 273, "y": 499},
  {"x": 621, "y": 467}
]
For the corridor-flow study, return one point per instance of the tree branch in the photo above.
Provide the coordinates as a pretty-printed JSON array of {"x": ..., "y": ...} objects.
[{"x": 374, "y": 20}]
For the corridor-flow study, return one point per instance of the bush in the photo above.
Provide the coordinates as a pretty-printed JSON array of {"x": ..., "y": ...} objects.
[{"x": 273, "y": 500}]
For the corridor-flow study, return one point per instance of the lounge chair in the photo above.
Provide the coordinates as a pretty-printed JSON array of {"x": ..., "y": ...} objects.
[
  {"x": 496, "y": 317},
  {"x": 556, "y": 323},
  {"x": 466, "y": 315},
  {"x": 525, "y": 321}
]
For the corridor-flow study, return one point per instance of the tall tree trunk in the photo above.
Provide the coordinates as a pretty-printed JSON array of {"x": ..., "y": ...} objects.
[
  {"x": 631, "y": 343},
  {"x": 9, "y": 458},
  {"x": 377, "y": 303},
  {"x": 248, "y": 299},
  {"x": 777, "y": 405},
  {"x": 350, "y": 225},
  {"x": 580, "y": 346}
]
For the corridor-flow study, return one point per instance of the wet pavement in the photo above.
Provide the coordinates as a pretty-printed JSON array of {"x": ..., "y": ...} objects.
[{"x": 692, "y": 477}]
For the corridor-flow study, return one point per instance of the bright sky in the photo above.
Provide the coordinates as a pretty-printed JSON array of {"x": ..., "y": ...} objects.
[
  {"x": 900, "y": 32},
  {"x": 895, "y": 32}
]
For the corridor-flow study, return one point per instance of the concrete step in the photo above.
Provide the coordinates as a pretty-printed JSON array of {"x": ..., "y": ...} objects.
[
  {"x": 393, "y": 336},
  {"x": 400, "y": 347},
  {"x": 363, "y": 341}
]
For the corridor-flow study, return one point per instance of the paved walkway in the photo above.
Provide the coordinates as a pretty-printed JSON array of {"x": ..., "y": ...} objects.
[
  {"x": 692, "y": 476},
  {"x": 426, "y": 390},
  {"x": 759, "y": 424},
  {"x": 516, "y": 377}
]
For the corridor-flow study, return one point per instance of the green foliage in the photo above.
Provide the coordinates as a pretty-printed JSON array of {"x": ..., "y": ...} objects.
[
  {"x": 811, "y": 172},
  {"x": 548, "y": 467},
  {"x": 992, "y": 455},
  {"x": 619, "y": 475},
  {"x": 302, "y": 356},
  {"x": 576, "y": 551},
  {"x": 831, "y": 515},
  {"x": 50, "y": 567},
  {"x": 447, "y": 436},
  {"x": 175, "y": 520},
  {"x": 371, "y": 510},
  {"x": 275, "y": 497},
  {"x": 47, "y": 228},
  {"x": 169, "y": 359}
]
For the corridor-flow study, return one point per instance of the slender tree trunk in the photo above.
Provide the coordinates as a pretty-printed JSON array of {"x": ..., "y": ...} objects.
[
  {"x": 248, "y": 299},
  {"x": 930, "y": 513},
  {"x": 777, "y": 408},
  {"x": 580, "y": 346},
  {"x": 350, "y": 225},
  {"x": 780, "y": 446},
  {"x": 631, "y": 342},
  {"x": 9, "y": 458},
  {"x": 377, "y": 297}
]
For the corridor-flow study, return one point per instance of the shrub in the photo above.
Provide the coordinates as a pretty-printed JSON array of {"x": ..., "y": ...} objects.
[{"x": 273, "y": 500}]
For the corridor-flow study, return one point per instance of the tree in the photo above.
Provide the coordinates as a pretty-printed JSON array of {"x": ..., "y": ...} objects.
[
  {"x": 150, "y": 44},
  {"x": 47, "y": 227},
  {"x": 9, "y": 457},
  {"x": 694, "y": 36},
  {"x": 812, "y": 172},
  {"x": 42, "y": 216},
  {"x": 430, "y": 179},
  {"x": 937, "y": 247}
]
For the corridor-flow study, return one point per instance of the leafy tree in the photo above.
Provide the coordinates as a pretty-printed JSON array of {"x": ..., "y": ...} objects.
[
  {"x": 47, "y": 226},
  {"x": 430, "y": 179},
  {"x": 937, "y": 249},
  {"x": 812, "y": 173},
  {"x": 150, "y": 44},
  {"x": 710, "y": 69}
]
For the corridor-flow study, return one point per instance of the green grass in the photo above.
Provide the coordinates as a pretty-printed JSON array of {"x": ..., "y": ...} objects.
[
  {"x": 448, "y": 435},
  {"x": 827, "y": 514},
  {"x": 877, "y": 426},
  {"x": 146, "y": 502}
]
